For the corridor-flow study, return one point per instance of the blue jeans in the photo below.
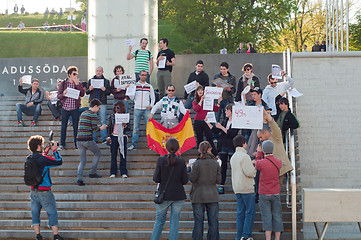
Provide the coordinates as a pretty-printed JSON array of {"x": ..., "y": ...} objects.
[
  {"x": 188, "y": 104},
  {"x": 245, "y": 214},
  {"x": 271, "y": 212},
  {"x": 64, "y": 124},
  {"x": 212, "y": 215},
  {"x": 103, "y": 120},
  {"x": 34, "y": 110},
  {"x": 162, "y": 209},
  {"x": 147, "y": 80},
  {"x": 222, "y": 110},
  {"x": 114, "y": 150},
  {"x": 44, "y": 200},
  {"x": 138, "y": 114},
  {"x": 81, "y": 110}
]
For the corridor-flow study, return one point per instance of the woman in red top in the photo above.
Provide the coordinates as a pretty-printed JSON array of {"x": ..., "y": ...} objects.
[{"x": 200, "y": 126}]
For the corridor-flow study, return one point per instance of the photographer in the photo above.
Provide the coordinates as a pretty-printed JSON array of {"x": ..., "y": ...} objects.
[{"x": 41, "y": 194}]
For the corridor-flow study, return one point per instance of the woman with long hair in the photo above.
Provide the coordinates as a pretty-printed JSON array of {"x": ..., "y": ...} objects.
[
  {"x": 205, "y": 175},
  {"x": 119, "y": 91},
  {"x": 173, "y": 168},
  {"x": 118, "y": 142},
  {"x": 200, "y": 126}
]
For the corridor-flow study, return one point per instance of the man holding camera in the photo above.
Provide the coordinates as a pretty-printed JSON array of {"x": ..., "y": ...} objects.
[{"x": 41, "y": 195}]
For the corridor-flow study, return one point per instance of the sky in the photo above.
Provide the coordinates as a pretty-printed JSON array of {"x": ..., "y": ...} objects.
[{"x": 32, "y": 6}]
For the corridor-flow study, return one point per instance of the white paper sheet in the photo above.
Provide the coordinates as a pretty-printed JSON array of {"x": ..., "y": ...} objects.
[
  {"x": 131, "y": 42},
  {"x": 247, "y": 117},
  {"x": 53, "y": 97},
  {"x": 97, "y": 83},
  {"x": 294, "y": 93},
  {"x": 161, "y": 63},
  {"x": 27, "y": 79},
  {"x": 211, "y": 117},
  {"x": 213, "y": 92},
  {"x": 208, "y": 104},
  {"x": 130, "y": 90},
  {"x": 190, "y": 87},
  {"x": 276, "y": 71},
  {"x": 122, "y": 118},
  {"x": 72, "y": 93}
]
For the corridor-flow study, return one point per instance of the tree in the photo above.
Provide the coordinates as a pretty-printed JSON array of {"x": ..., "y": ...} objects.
[
  {"x": 214, "y": 24},
  {"x": 83, "y": 4},
  {"x": 355, "y": 35}
]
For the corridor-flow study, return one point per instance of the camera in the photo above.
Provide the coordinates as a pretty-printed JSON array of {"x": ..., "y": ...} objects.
[{"x": 51, "y": 142}]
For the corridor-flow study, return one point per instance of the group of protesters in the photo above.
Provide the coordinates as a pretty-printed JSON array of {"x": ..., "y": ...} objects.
[{"x": 258, "y": 158}]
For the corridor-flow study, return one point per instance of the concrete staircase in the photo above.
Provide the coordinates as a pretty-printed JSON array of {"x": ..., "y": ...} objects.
[{"x": 105, "y": 208}]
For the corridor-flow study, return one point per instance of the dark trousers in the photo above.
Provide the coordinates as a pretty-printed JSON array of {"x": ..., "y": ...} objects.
[
  {"x": 64, "y": 124},
  {"x": 55, "y": 109},
  {"x": 114, "y": 150},
  {"x": 201, "y": 128},
  {"x": 224, "y": 155},
  {"x": 212, "y": 215}
]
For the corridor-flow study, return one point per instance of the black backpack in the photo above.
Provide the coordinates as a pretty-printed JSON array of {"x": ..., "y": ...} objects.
[
  {"x": 136, "y": 53},
  {"x": 32, "y": 175}
]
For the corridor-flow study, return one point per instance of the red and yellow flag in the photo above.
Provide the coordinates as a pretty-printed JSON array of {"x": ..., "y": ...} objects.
[{"x": 157, "y": 135}]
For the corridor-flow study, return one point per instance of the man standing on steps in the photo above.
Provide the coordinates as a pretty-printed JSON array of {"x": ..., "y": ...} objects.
[
  {"x": 88, "y": 124},
  {"x": 165, "y": 63},
  {"x": 144, "y": 99},
  {"x": 41, "y": 195},
  {"x": 33, "y": 98},
  {"x": 70, "y": 104},
  {"x": 171, "y": 107},
  {"x": 101, "y": 94},
  {"x": 143, "y": 59}
]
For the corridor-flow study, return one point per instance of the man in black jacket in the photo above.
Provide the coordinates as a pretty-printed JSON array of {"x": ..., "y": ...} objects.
[
  {"x": 101, "y": 94},
  {"x": 285, "y": 119},
  {"x": 33, "y": 98}
]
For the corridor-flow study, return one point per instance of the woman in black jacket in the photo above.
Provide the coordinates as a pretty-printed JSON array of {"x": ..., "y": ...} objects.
[
  {"x": 172, "y": 167},
  {"x": 225, "y": 143}
]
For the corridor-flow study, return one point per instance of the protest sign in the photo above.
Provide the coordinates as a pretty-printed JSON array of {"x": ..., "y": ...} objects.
[
  {"x": 122, "y": 118},
  {"x": 131, "y": 42},
  {"x": 294, "y": 93},
  {"x": 276, "y": 72},
  {"x": 72, "y": 93},
  {"x": 208, "y": 104},
  {"x": 213, "y": 92},
  {"x": 27, "y": 79},
  {"x": 130, "y": 90},
  {"x": 249, "y": 117},
  {"x": 211, "y": 117},
  {"x": 97, "y": 83},
  {"x": 190, "y": 87}
]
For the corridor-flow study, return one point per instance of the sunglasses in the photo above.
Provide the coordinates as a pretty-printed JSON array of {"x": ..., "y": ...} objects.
[
  {"x": 170, "y": 90},
  {"x": 248, "y": 69},
  {"x": 75, "y": 74},
  {"x": 272, "y": 83}
]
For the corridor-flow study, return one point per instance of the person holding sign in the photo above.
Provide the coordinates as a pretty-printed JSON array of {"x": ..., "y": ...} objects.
[
  {"x": 247, "y": 79},
  {"x": 100, "y": 92},
  {"x": 54, "y": 103},
  {"x": 70, "y": 103},
  {"x": 200, "y": 126},
  {"x": 144, "y": 99},
  {"x": 171, "y": 107},
  {"x": 119, "y": 92},
  {"x": 32, "y": 106},
  {"x": 225, "y": 143},
  {"x": 201, "y": 78},
  {"x": 165, "y": 63},
  {"x": 143, "y": 59},
  {"x": 227, "y": 94},
  {"x": 118, "y": 142}
]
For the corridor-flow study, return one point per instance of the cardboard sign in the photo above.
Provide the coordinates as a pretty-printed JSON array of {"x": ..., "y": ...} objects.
[
  {"x": 247, "y": 117},
  {"x": 122, "y": 118},
  {"x": 213, "y": 92}
]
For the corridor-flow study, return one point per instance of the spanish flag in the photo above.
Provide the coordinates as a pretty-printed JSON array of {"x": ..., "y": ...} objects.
[{"x": 157, "y": 135}]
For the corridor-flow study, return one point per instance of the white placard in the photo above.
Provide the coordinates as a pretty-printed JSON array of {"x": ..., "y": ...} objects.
[
  {"x": 211, "y": 117},
  {"x": 208, "y": 104},
  {"x": 127, "y": 79},
  {"x": 72, "y": 93},
  {"x": 190, "y": 87},
  {"x": 27, "y": 79},
  {"x": 131, "y": 42},
  {"x": 294, "y": 93},
  {"x": 161, "y": 63},
  {"x": 74, "y": 17},
  {"x": 249, "y": 117},
  {"x": 122, "y": 118},
  {"x": 69, "y": 17},
  {"x": 276, "y": 72},
  {"x": 130, "y": 90},
  {"x": 53, "y": 97},
  {"x": 97, "y": 83},
  {"x": 213, "y": 92}
]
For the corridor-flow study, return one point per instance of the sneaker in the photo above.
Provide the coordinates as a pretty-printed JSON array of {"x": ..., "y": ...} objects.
[
  {"x": 33, "y": 124},
  {"x": 105, "y": 142},
  {"x": 250, "y": 238},
  {"x": 39, "y": 237},
  {"x": 80, "y": 183},
  {"x": 20, "y": 124},
  {"x": 221, "y": 190},
  {"x": 112, "y": 176},
  {"x": 124, "y": 176},
  {"x": 61, "y": 147},
  {"x": 58, "y": 237},
  {"x": 131, "y": 147},
  {"x": 94, "y": 175}
]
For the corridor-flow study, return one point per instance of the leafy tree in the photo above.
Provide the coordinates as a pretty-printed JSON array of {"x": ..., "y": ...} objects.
[
  {"x": 214, "y": 24},
  {"x": 355, "y": 35},
  {"x": 83, "y": 4}
]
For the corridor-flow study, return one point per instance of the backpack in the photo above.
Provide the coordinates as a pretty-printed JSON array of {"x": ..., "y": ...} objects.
[
  {"x": 136, "y": 53},
  {"x": 32, "y": 175}
]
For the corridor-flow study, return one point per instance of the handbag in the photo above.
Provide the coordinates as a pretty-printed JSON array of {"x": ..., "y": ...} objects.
[{"x": 159, "y": 195}]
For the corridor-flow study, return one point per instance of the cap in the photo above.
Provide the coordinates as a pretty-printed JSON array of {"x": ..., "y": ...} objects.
[
  {"x": 267, "y": 146},
  {"x": 257, "y": 90}
]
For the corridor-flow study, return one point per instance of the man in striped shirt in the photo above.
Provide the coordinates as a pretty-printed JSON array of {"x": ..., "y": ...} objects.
[
  {"x": 88, "y": 124},
  {"x": 143, "y": 59}
]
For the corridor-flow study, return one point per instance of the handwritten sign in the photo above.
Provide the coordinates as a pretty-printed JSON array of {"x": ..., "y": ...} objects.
[
  {"x": 53, "y": 97},
  {"x": 130, "y": 90},
  {"x": 124, "y": 80},
  {"x": 122, "y": 118},
  {"x": 72, "y": 93},
  {"x": 211, "y": 117},
  {"x": 161, "y": 63},
  {"x": 247, "y": 117},
  {"x": 213, "y": 92},
  {"x": 27, "y": 79},
  {"x": 276, "y": 72},
  {"x": 97, "y": 83},
  {"x": 190, "y": 87},
  {"x": 294, "y": 93},
  {"x": 130, "y": 42},
  {"x": 208, "y": 104}
]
